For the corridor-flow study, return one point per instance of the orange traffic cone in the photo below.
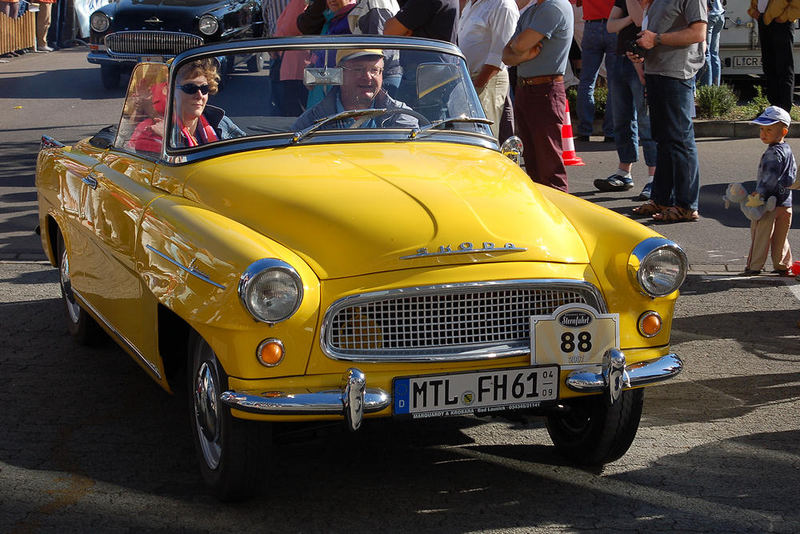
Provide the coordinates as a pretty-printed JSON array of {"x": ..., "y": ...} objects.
[{"x": 568, "y": 155}]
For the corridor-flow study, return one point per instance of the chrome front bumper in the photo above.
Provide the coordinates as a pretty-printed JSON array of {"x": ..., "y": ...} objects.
[{"x": 353, "y": 399}]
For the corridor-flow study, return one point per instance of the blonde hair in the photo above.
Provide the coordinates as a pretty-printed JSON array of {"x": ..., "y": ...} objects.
[{"x": 202, "y": 67}]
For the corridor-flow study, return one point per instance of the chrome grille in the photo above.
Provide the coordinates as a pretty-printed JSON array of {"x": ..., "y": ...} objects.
[
  {"x": 452, "y": 322},
  {"x": 150, "y": 43}
]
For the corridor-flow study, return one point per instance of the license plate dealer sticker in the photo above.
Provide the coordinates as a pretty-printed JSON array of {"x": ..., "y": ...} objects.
[
  {"x": 475, "y": 392},
  {"x": 574, "y": 336}
]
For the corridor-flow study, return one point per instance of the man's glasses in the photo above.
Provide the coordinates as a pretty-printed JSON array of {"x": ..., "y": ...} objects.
[
  {"x": 361, "y": 71},
  {"x": 190, "y": 88}
]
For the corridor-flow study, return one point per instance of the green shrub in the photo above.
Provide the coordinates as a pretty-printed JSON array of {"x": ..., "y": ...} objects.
[
  {"x": 760, "y": 101},
  {"x": 572, "y": 98},
  {"x": 600, "y": 98},
  {"x": 714, "y": 101}
]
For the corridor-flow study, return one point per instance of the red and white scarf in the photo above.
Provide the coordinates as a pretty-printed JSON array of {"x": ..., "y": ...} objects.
[{"x": 206, "y": 131}]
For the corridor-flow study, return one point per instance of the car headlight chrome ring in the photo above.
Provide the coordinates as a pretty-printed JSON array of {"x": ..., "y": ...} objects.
[
  {"x": 99, "y": 21},
  {"x": 271, "y": 290},
  {"x": 208, "y": 25},
  {"x": 658, "y": 266}
]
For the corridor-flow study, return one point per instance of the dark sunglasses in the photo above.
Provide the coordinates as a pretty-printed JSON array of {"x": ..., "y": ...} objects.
[{"x": 190, "y": 88}]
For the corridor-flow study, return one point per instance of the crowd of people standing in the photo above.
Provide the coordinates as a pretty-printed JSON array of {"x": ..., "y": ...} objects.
[
  {"x": 655, "y": 54},
  {"x": 652, "y": 52}
]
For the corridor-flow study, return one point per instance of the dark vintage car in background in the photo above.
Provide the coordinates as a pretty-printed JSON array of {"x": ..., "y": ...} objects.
[{"x": 125, "y": 32}]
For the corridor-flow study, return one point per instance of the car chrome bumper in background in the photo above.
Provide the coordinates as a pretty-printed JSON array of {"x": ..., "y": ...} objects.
[
  {"x": 353, "y": 399},
  {"x": 101, "y": 57}
]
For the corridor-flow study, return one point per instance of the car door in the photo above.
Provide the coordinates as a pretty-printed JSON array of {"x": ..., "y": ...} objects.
[{"x": 116, "y": 196}]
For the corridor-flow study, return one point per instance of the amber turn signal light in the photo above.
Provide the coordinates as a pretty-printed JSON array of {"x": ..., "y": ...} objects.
[
  {"x": 649, "y": 324},
  {"x": 270, "y": 352}
]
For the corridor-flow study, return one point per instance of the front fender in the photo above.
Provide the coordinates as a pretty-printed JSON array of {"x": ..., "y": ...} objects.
[
  {"x": 191, "y": 259},
  {"x": 609, "y": 247}
]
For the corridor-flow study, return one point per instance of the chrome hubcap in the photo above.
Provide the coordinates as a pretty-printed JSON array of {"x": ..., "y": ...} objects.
[
  {"x": 73, "y": 309},
  {"x": 206, "y": 414}
]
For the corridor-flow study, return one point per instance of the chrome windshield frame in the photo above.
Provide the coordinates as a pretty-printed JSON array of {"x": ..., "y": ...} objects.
[{"x": 180, "y": 156}]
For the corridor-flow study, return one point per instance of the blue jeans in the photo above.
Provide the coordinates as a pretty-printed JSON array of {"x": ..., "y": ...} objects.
[
  {"x": 596, "y": 43},
  {"x": 631, "y": 117},
  {"x": 677, "y": 178},
  {"x": 711, "y": 72}
]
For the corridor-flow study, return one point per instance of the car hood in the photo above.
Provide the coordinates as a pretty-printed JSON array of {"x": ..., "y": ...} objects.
[{"x": 363, "y": 208}]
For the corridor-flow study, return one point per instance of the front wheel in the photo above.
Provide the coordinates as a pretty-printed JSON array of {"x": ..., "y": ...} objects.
[
  {"x": 232, "y": 453},
  {"x": 592, "y": 432}
]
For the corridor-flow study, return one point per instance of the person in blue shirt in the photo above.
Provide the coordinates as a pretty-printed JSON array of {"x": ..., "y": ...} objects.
[{"x": 776, "y": 173}]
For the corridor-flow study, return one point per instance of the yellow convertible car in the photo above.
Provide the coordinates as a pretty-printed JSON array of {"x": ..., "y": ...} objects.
[{"x": 373, "y": 253}]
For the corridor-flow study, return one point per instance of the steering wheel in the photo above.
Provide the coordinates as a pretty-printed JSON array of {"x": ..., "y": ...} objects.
[{"x": 389, "y": 113}]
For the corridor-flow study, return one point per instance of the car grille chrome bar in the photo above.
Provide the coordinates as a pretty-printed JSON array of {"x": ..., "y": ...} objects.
[
  {"x": 150, "y": 43},
  {"x": 455, "y": 322}
]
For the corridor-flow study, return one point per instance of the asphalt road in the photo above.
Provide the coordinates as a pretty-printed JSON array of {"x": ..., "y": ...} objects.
[{"x": 89, "y": 443}]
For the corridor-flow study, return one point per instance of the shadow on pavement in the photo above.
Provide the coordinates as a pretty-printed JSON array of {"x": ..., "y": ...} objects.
[{"x": 111, "y": 437}]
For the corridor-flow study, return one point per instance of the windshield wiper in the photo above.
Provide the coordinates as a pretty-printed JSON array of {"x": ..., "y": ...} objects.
[
  {"x": 461, "y": 118},
  {"x": 347, "y": 114}
]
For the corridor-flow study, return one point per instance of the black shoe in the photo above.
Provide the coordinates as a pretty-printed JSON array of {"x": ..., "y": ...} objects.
[
  {"x": 584, "y": 138},
  {"x": 751, "y": 272},
  {"x": 615, "y": 182},
  {"x": 646, "y": 190},
  {"x": 608, "y": 139}
]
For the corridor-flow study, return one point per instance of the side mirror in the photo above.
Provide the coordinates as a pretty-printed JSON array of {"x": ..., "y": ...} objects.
[{"x": 512, "y": 149}]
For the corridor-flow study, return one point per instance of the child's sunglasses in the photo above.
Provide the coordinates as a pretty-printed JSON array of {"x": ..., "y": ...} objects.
[{"x": 190, "y": 88}]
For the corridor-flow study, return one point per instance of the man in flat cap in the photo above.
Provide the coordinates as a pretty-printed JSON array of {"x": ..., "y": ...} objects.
[{"x": 362, "y": 88}]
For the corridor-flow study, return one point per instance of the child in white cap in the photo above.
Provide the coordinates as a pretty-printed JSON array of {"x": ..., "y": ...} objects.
[{"x": 776, "y": 172}]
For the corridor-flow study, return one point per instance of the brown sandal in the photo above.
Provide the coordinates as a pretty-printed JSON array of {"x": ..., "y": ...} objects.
[
  {"x": 648, "y": 208},
  {"x": 676, "y": 214}
]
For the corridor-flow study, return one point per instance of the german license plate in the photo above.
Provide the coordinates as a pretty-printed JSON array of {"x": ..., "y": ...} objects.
[
  {"x": 574, "y": 336},
  {"x": 742, "y": 62},
  {"x": 475, "y": 392}
]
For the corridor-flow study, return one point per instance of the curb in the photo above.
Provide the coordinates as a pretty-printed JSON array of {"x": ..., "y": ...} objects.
[
  {"x": 715, "y": 128},
  {"x": 718, "y": 128}
]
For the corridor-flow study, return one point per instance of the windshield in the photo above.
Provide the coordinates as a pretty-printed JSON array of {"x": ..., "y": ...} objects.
[{"x": 304, "y": 95}]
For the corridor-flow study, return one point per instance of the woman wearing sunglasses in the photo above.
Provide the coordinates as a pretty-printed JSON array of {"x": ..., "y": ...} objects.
[{"x": 197, "y": 123}]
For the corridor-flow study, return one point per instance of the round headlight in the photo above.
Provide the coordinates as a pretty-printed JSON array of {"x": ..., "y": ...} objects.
[
  {"x": 271, "y": 290},
  {"x": 658, "y": 266},
  {"x": 208, "y": 25},
  {"x": 99, "y": 21}
]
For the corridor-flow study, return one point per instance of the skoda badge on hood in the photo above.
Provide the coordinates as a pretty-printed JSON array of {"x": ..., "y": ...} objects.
[{"x": 464, "y": 248}]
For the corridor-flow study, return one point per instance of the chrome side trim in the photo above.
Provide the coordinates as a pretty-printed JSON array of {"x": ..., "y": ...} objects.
[
  {"x": 351, "y": 400},
  {"x": 448, "y": 354},
  {"x": 125, "y": 341},
  {"x": 637, "y": 374},
  {"x": 190, "y": 270}
]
